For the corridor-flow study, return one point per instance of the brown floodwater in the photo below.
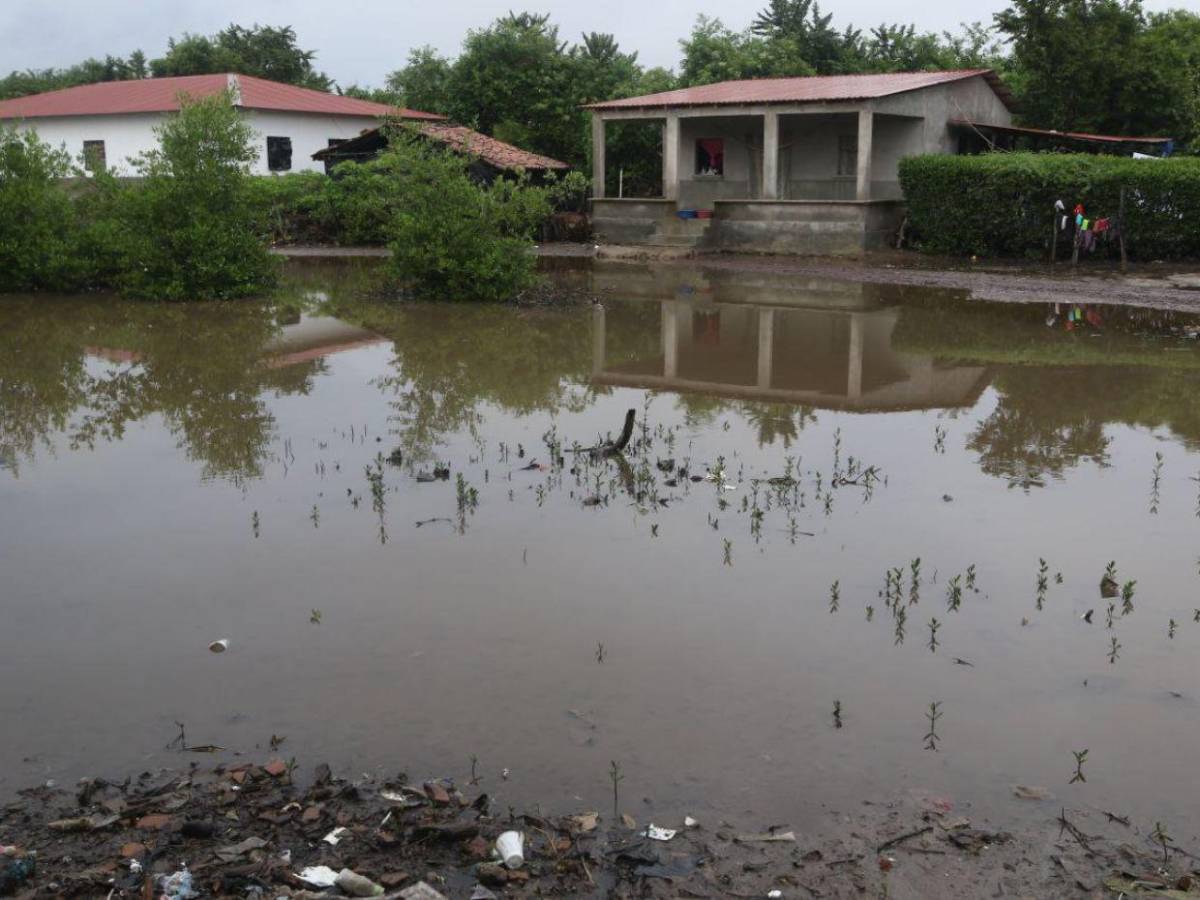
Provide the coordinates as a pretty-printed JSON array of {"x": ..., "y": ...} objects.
[{"x": 171, "y": 475}]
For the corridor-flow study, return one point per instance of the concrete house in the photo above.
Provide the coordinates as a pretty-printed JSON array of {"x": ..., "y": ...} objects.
[
  {"x": 107, "y": 124},
  {"x": 804, "y": 165}
]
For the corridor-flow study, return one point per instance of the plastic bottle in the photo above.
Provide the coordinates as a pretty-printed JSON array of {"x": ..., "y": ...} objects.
[{"x": 357, "y": 885}]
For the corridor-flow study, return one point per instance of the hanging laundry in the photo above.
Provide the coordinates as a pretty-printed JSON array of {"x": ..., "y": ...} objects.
[
  {"x": 1079, "y": 210},
  {"x": 1062, "y": 226},
  {"x": 1078, "y": 219},
  {"x": 1101, "y": 225},
  {"x": 1058, "y": 206}
]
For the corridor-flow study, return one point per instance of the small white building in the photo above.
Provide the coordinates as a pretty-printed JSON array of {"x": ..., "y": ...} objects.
[{"x": 111, "y": 122}]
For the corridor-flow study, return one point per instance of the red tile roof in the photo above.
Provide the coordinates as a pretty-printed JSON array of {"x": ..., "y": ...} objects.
[
  {"x": 162, "y": 95},
  {"x": 815, "y": 89},
  {"x": 490, "y": 150},
  {"x": 494, "y": 152}
]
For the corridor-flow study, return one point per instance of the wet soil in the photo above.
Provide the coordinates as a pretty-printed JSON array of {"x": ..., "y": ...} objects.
[{"x": 249, "y": 830}]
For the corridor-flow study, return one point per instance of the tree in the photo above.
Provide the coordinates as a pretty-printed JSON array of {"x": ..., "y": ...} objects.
[
  {"x": 37, "y": 220},
  {"x": 714, "y": 52},
  {"x": 451, "y": 238},
  {"x": 188, "y": 230},
  {"x": 424, "y": 82},
  {"x": 811, "y": 35},
  {"x": 261, "y": 50}
]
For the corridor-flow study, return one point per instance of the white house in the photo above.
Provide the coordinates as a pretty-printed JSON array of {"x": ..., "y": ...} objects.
[{"x": 111, "y": 122}]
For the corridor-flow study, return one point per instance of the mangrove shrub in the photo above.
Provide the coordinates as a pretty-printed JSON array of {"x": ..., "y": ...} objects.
[
  {"x": 1002, "y": 204},
  {"x": 452, "y": 238},
  {"x": 189, "y": 229}
]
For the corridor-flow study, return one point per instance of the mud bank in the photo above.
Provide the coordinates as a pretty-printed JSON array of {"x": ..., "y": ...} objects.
[{"x": 277, "y": 830}]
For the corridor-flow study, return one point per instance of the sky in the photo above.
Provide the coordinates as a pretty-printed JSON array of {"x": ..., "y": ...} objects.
[{"x": 361, "y": 41}]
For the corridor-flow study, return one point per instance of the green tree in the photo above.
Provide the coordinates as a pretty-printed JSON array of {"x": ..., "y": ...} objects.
[
  {"x": 454, "y": 239},
  {"x": 424, "y": 82},
  {"x": 714, "y": 52},
  {"x": 819, "y": 44},
  {"x": 189, "y": 229},
  {"x": 264, "y": 51}
]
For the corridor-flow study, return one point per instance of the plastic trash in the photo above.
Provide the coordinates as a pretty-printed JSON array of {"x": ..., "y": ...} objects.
[
  {"x": 219, "y": 646},
  {"x": 177, "y": 886},
  {"x": 689, "y": 822},
  {"x": 15, "y": 873},
  {"x": 318, "y": 876},
  {"x": 510, "y": 847},
  {"x": 658, "y": 834},
  {"x": 334, "y": 837},
  {"x": 357, "y": 885}
]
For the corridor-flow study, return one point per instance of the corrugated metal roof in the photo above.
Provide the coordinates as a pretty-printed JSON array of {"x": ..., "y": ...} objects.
[
  {"x": 149, "y": 95},
  {"x": 814, "y": 89},
  {"x": 1070, "y": 135},
  {"x": 492, "y": 151}
]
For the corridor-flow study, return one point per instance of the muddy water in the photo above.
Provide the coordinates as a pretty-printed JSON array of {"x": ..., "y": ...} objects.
[{"x": 171, "y": 475}]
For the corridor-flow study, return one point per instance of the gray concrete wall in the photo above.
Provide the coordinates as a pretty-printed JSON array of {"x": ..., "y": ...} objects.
[
  {"x": 804, "y": 228},
  {"x": 743, "y": 165},
  {"x": 971, "y": 99},
  {"x": 630, "y": 221}
]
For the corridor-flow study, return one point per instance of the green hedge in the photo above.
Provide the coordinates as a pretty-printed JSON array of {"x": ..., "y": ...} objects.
[{"x": 1002, "y": 204}]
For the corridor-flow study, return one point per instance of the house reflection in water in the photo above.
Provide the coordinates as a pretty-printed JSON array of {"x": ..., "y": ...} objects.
[{"x": 822, "y": 344}]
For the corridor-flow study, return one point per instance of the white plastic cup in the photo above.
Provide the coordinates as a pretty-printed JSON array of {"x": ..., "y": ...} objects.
[
  {"x": 219, "y": 646},
  {"x": 510, "y": 847}
]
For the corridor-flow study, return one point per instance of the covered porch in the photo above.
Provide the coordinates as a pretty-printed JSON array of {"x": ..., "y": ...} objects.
[{"x": 806, "y": 178}]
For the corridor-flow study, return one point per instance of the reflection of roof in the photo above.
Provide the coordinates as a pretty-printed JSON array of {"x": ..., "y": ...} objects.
[
  {"x": 816, "y": 89},
  {"x": 494, "y": 152},
  {"x": 148, "y": 95},
  {"x": 1061, "y": 135}
]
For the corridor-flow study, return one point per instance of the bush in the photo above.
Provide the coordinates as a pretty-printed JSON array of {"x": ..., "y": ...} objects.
[
  {"x": 190, "y": 230},
  {"x": 38, "y": 223},
  {"x": 1002, "y": 204},
  {"x": 292, "y": 209},
  {"x": 451, "y": 238}
]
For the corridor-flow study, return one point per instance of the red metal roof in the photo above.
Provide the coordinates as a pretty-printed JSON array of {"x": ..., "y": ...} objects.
[
  {"x": 1071, "y": 135},
  {"x": 149, "y": 95},
  {"x": 814, "y": 89}
]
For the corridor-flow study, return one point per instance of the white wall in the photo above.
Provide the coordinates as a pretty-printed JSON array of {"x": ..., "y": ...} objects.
[{"x": 127, "y": 135}]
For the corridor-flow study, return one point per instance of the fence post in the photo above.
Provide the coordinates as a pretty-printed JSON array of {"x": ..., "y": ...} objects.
[
  {"x": 1054, "y": 237},
  {"x": 1121, "y": 225}
]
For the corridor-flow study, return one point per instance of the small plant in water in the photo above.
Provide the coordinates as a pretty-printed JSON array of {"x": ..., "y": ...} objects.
[
  {"x": 834, "y": 594},
  {"x": 315, "y": 617},
  {"x": 901, "y": 618},
  {"x": 934, "y": 625},
  {"x": 837, "y": 713},
  {"x": 315, "y": 516},
  {"x": 254, "y": 522},
  {"x": 614, "y": 774},
  {"x": 599, "y": 652},
  {"x": 1127, "y": 597},
  {"x": 1042, "y": 583},
  {"x": 871, "y": 613},
  {"x": 914, "y": 586},
  {"x": 931, "y": 736},
  {"x": 1114, "y": 651},
  {"x": 1080, "y": 756},
  {"x": 971, "y": 579},
  {"x": 1171, "y": 629},
  {"x": 1160, "y": 837},
  {"x": 954, "y": 594},
  {"x": 939, "y": 439},
  {"x": 1112, "y": 607},
  {"x": 1155, "y": 482}
]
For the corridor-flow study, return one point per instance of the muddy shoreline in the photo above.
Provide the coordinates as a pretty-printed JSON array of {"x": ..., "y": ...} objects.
[{"x": 278, "y": 829}]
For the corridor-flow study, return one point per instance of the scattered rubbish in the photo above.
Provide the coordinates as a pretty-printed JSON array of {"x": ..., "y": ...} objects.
[
  {"x": 318, "y": 876},
  {"x": 1028, "y": 792},
  {"x": 767, "y": 838},
  {"x": 178, "y": 886},
  {"x": 482, "y": 893},
  {"x": 689, "y": 822},
  {"x": 586, "y": 821},
  {"x": 421, "y": 891},
  {"x": 658, "y": 834},
  {"x": 16, "y": 873},
  {"x": 228, "y": 854},
  {"x": 335, "y": 837},
  {"x": 219, "y": 646},
  {"x": 84, "y": 823},
  {"x": 974, "y": 840},
  {"x": 775, "y": 893},
  {"x": 356, "y": 885},
  {"x": 628, "y": 821},
  {"x": 510, "y": 847}
]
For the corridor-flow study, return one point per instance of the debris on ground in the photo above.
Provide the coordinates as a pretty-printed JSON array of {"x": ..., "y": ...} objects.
[{"x": 250, "y": 830}]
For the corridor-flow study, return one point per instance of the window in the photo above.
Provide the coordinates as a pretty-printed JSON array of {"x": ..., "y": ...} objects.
[
  {"x": 93, "y": 156},
  {"x": 279, "y": 154},
  {"x": 710, "y": 156},
  {"x": 847, "y": 159}
]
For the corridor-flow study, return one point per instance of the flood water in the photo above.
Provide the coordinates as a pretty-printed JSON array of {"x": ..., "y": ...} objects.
[{"x": 171, "y": 475}]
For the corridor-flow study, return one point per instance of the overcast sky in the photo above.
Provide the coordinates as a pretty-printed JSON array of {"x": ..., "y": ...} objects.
[{"x": 360, "y": 41}]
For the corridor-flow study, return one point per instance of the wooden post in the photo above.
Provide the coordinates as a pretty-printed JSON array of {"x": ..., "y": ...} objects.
[
  {"x": 1075, "y": 248},
  {"x": 1121, "y": 225}
]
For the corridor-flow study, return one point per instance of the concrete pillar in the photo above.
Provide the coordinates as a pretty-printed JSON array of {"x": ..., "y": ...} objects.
[
  {"x": 598, "y": 338},
  {"x": 766, "y": 346},
  {"x": 671, "y": 157},
  {"x": 854, "y": 365},
  {"x": 770, "y": 177},
  {"x": 597, "y": 156},
  {"x": 670, "y": 340},
  {"x": 866, "y": 122}
]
